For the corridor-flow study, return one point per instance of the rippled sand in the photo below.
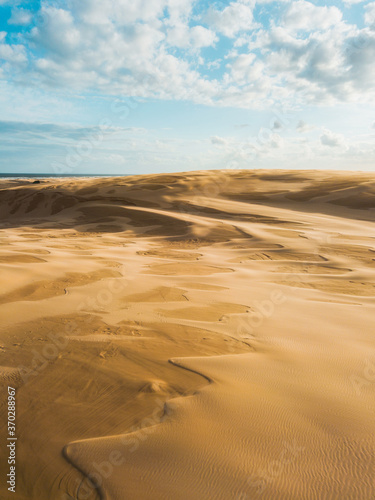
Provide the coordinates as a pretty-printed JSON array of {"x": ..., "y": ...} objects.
[{"x": 207, "y": 335}]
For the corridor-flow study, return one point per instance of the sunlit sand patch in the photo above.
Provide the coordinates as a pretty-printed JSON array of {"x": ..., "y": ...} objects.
[
  {"x": 344, "y": 287},
  {"x": 204, "y": 286},
  {"x": 36, "y": 251},
  {"x": 111, "y": 263},
  {"x": 230, "y": 470},
  {"x": 300, "y": 267},
  {"x": 109, "y": 338},
  {"x": 41, "y": 290},
  {"x": 160, "y": 294},
  {"x": 213, "y": 312},
  {"x": 185, "y": 270},
  {"x": 285, "y": 233}
]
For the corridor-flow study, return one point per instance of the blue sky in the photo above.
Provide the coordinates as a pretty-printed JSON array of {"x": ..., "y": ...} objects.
[{"x": 134, "y": 86}]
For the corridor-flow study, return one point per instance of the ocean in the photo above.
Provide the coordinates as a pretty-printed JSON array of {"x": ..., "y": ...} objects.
[{"x": 55, "y": 176}]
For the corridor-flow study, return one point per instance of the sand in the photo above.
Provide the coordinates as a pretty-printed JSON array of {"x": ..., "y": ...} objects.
[{"x": 200, "y": 335}]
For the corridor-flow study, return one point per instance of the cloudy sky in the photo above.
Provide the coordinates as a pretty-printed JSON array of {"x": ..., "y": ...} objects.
[{"x": 137, "y": 86}]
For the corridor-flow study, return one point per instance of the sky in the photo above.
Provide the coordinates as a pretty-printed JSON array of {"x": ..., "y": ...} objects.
[{"x": 144, "y": 86}]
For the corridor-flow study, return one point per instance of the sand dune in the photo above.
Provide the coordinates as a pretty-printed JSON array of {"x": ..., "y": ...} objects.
[{"x": 206, "y": 335}]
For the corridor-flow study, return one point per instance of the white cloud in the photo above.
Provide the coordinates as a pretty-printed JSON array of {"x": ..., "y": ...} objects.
[
  {"x": 130, "y": 59},
  {"x": 326, "y": 66},
  {"x": 123, "y": 12},
  {"x": 20, "y": 17},
  {"x": 11, "y": 53},
  {"x": 59, "y": 37},
  {"x": 233, "y": 19},
  {"x": 303, "y": 15},
  {"x": 370, "y": 14},
  {"x": 303, "y": 127},
  {"x": 179, "y": 9},
  {"x": 218, "y": 141},
  {"x": 243, "y": 69},
  {"x": 202, "y": 37},
  {"x": 308, "y": 54},
  {"x": 329, "y": 138},
  {"x": 182, "y": 36},
  {"x": 353, "y": 2}
]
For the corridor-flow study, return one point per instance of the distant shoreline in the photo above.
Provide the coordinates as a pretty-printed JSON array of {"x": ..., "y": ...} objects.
[{"x": 57, "y": 176}]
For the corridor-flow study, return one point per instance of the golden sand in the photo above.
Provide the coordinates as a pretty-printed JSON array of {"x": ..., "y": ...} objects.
[{"x": 207, "y": 335}]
